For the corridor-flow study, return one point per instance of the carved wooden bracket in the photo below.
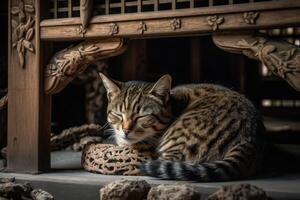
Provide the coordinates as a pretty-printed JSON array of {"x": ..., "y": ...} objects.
[
  {"x": 280, "y": 57},
  {"x": 65, "y": 65}
]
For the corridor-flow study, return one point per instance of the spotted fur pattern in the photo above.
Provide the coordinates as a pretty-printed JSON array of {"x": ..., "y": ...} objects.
[{"x": 201, "y": 132}]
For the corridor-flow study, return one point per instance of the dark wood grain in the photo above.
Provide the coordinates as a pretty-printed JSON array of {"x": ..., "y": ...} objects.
[{"x": 29, "y": 108}]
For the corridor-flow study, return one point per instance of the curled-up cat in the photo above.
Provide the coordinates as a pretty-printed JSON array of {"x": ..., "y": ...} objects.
[{"x": 201, "y": 132}]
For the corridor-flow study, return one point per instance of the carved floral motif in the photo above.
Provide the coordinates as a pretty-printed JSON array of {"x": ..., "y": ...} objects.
[
  {"x": 68, "y": 64},
  {"x": 22, "y": 30},
  {"x": 142, "y": 27},
  {"x": 81, "y": 31},
  {"x": 279, "y": 62},
  {"x": 215, "y": 21},
  {"x": 250, "y": 17},
  {"x": 175, "y": 23},
  {"x": 280, "y": 57},
  {"x": 65, "y": 65},
  {"x": 114, "y": 29}
]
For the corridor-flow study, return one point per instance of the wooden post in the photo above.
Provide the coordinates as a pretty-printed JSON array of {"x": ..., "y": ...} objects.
[
  {"x": 29, "y": 107},
  {"x": 134, "y": 60}
]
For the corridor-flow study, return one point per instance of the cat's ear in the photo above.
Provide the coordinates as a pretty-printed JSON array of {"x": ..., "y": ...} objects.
[
  {"x": 112, "y": 87},
  {"x": 162, "y": 87}
]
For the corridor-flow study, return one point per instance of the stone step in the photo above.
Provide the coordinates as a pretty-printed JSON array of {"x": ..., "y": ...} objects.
[{"x": 81, "y": 185}]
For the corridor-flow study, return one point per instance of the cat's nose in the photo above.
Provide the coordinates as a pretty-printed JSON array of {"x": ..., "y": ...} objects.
[{"x": 126, "y": 131}]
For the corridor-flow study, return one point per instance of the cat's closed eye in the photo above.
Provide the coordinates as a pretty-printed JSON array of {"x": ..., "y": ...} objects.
[{"x": 114, "y": 117}]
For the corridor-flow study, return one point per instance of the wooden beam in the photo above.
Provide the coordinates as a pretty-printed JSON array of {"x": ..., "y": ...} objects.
[
  {"x": 191, "y": 21},
  {"x": 29, "y": 107},
  {"x": 279, "y": 56}
]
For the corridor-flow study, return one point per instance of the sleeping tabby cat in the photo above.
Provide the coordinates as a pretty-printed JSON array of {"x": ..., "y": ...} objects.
[{"x": 201, "y": 132}]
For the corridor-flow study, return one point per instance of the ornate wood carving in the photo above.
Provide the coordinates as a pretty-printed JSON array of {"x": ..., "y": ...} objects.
[
  {"x": 175, "y": 23},
  {"x": 81, "y": 31},
  {"x": 22, "y": 29},
  {"x": 142, "y": 27},
  {"x": 250, "y": 17},
  {"x": 214, "y": 21},
  {"x": 68, "y": 63},
  {"x": 28, "y": 104},
  {"x": 86, "y": 9},
  {"x": 113, "y": 29},
  {"x": 280, "y": 57}
]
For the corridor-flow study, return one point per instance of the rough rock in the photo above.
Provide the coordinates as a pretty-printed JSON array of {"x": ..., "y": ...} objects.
[
  {"x": 10, "y": 190},
  {"x": 170, "y": 192},
  {"x": 239, "y": 192},
  {"x": 125, "y": 190},
  {"x": 39, "y": 194},
  {"x": 14, "y": 190}
]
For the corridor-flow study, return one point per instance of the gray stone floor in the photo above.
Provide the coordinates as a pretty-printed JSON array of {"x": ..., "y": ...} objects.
[{"x": 77, "y": 184}]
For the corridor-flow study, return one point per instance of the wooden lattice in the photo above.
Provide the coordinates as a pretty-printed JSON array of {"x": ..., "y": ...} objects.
[
  {"x": 70, "y": 8},
  {"x": 64, "y": 8}
]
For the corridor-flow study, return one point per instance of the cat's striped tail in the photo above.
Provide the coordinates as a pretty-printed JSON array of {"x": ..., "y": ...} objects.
[{"x": 236, "y": 165}]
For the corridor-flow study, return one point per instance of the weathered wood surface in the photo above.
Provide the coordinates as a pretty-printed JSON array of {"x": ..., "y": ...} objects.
[
  {"x": 178, "y": 22},
  {"x": 68, "y": 63},
  {"x": 29, "y": 107},
  {"x": 86, "y": 9},
  {"x": 280, "y": 57}
]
